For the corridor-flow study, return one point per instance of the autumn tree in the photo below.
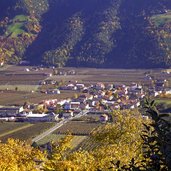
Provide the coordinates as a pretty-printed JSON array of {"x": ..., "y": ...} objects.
[
  {"x": 16, "y": 155},
  {"x": 120, "y": 140},
  {"x": 41, "y": 108},
  {"x": 57, "y": 160}
]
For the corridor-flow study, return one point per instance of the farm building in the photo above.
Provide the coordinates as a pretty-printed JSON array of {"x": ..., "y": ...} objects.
[
  {"x": 41, "y": 117},
  {"x": 9, "y": 111}
]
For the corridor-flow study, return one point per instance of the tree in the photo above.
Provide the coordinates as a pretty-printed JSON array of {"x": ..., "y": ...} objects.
[
  {"x": 120, "y": 140},
  {"x": 41, "y": 109},
  {"x": 57, "y": 160},
  {"x": 17, "y": 155},
  {"x": 156, "y": 137}
]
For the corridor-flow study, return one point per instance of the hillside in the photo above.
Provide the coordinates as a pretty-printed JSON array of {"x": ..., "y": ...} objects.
[{"x": 91, "y": 33}]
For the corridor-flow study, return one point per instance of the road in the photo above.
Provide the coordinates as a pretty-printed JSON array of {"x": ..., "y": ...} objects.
[{"x": 58, "y": 125}]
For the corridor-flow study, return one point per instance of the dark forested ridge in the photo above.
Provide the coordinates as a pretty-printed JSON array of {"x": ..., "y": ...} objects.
[{"x": 91, "y": 33}]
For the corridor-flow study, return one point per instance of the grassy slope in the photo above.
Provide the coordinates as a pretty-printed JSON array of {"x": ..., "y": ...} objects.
[
  {"x": 17, "y": 25},
  {"x": 161, "y": 19}
]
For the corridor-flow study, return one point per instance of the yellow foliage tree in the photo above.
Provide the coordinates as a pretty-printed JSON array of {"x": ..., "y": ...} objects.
[
  {"x": 120, "y": 140},
  {"x": 116, "y": 141},
  {"x": 16, "y": 155},
  {"x": 58, "y": 159}
]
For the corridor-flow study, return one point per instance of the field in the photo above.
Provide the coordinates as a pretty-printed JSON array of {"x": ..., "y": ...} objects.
[
  {"x": 78, "y": 128},
  {"x": 26, "y": 88},
  {"x": 19, "y": 97},
  {"x": 126, "y": 76},
  {"x": 27, "y": 133},
  {"x": 6, "y": 127},
  {"x": 161, "y": 19},
  {"x": 14, "y": 78},
  {"x": 18, "y": 75},
  {"x": 20, "y": 79}
]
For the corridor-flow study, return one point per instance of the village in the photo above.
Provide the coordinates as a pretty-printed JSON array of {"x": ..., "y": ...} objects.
[{"x": 98, "y": 98}]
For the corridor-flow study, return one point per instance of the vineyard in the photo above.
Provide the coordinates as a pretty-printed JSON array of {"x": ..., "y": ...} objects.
[
  {"x": 88, "y": 144},
  {"x": 9, "y": 126},
  {"x": 28, "y": 133},
  {"x": 77, "y": 128},
  {"x": 76, "y": 141}
]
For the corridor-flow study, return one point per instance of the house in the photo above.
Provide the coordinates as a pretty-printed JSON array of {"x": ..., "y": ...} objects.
[
  {"x": 53, "y": 91},
  {"x": 27, "y": 69},
  {"x": 71, "y": 72},
  {"x": 74, "y": 105},
  {"x": 145, "y": 117},
  {"x": 24, "y": 63},
  {"x": 110, "y": 103},
  {"x": 68, "y": 114},
  {"x": 48, "y": 74},
  {"x": 84, "y": 106},
  {"x": 46, "y": 82},
  {"x": 1, "y": 63},
  {"x": 71, "y": 105},
  {"x": 104, "y": 118},
  {"x": 160, "y": 82},
  {"x": 85, "y": 90},
  {"x": 51, "y": 102},
  {"x": 35, "y": 117},
  {"x": 167, "y": 91},
  {"x": 61, "y": 102},
  {"x": 154, "y": 93},
  {"x": 135, "y": 86},
  {"x": 167, "y": 71},
  {"x": 109, "y": 86},
  {"x": 68, "y": 87},
  {"x": 99, "y": 86},
  {"x": 3, "y": 119},
  {"x": 9, "y": 111},
  {"x": 80, "y": 86}
]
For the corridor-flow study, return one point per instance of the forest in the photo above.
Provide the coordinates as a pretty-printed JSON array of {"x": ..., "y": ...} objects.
[{"x": 93, "y": 33}]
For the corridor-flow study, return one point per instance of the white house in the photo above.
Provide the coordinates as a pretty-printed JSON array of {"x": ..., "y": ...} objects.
[
  {"x": 168, "y": 91},
  {"x": 80, "y": 86},
  {"x": 32, "y": 117},
  {"x": 68, "y": 114},
  {"x": 53, "y": 91},
  {"x": 71, "y": 105},
  {"x": 2, "y": 64},
  {"x": 104, "y": 118},
  {"x": 100, "y": 86}
]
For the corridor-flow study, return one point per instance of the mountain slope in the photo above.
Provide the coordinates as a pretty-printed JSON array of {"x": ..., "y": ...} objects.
[{"x": 92, "y": 33}]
